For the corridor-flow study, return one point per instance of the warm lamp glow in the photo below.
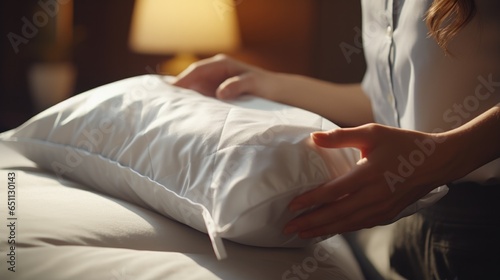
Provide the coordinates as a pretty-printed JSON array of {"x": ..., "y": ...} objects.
[{"x": 184, "y": 26}]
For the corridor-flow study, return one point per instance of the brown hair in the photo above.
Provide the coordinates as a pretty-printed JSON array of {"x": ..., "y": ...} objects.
[{"x": 445, "y": 18}]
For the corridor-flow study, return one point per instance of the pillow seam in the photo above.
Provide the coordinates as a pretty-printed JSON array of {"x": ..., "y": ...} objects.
[{"x": 214, "y": 154}]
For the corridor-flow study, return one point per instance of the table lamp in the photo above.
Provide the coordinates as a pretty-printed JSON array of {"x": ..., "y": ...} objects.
[{"x": 184, "y": 28}]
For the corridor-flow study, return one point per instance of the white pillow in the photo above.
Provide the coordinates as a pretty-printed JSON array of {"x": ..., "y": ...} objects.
[{"x": 228, "y": 169}]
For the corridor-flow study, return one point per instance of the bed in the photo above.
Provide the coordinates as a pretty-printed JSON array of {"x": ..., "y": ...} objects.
[
  {"x": 65, "y": 230},
  {"x": 60, "y": 229}
]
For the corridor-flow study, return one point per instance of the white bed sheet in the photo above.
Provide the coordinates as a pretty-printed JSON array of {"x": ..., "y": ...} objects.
[{"x": 66, "y": 231}]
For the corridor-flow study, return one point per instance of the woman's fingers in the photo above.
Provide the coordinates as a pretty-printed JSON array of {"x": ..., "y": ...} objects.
[
  {"x": 236, "y": 86},
  {"x": 333, "y": 190},
  {"x": 363, "y": 138},
  {"x": 341, "y": 186},
  {"x": 365, "y": 208},
  {"x": 205, "y": 76},
  {"x": 355, "y": 221},
  {"x": 200, "y": 70},
  {"x": 222, "y": 77},
  {"x": 367, "y": 196}
]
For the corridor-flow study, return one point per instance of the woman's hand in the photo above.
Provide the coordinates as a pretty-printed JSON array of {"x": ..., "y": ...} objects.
[
  {"x": 397, "y": 168},
  {"x": 225, "y": 78}
]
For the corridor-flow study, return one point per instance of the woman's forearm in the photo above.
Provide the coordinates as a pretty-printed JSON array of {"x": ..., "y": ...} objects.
[
  {"x": 475, "y": 143},
  {"x": 345, "y": 105},
  {"x": 223, "y": 77}
]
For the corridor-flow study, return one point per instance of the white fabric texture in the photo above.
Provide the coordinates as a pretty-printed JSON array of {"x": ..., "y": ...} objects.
[
  {"x": 226, "y": 169},
  {"x": 65, "y": 230},
  {"x": 217, "y": 167},
  {"x": 412, "y": 83}
]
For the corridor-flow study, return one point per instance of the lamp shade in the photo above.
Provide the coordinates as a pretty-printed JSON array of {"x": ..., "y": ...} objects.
[{"x": 189, "y": 26}]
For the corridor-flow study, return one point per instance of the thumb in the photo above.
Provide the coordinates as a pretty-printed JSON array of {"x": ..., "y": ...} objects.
[
  {"x": 236, "y": 86},
  {"x": 356, "y": 137}
]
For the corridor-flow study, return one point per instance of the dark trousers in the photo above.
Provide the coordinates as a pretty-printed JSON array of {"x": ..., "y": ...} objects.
[{"x": 457, "y": 238}]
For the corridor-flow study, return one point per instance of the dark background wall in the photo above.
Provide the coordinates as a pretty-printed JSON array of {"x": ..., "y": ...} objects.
[{"x": 298, "y": 36}]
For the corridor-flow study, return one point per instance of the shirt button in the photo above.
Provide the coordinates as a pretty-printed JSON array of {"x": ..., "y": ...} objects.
[{"x": 389, "y": 31}]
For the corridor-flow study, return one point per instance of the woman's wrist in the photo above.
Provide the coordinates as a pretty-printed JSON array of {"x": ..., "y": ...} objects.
[{"x": 471, "y": 145}]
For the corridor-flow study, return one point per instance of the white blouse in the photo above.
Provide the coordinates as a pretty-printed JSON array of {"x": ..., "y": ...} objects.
[{"x": 412, "y": 84}]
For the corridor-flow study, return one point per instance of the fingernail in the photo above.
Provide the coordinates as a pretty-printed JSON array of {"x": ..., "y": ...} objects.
[
  {"x": 221, "y": 94},
  {"x": 224, "y": 94},
  {"x": 319, "y": 134},
  {"x": 316, "y": 133}
]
